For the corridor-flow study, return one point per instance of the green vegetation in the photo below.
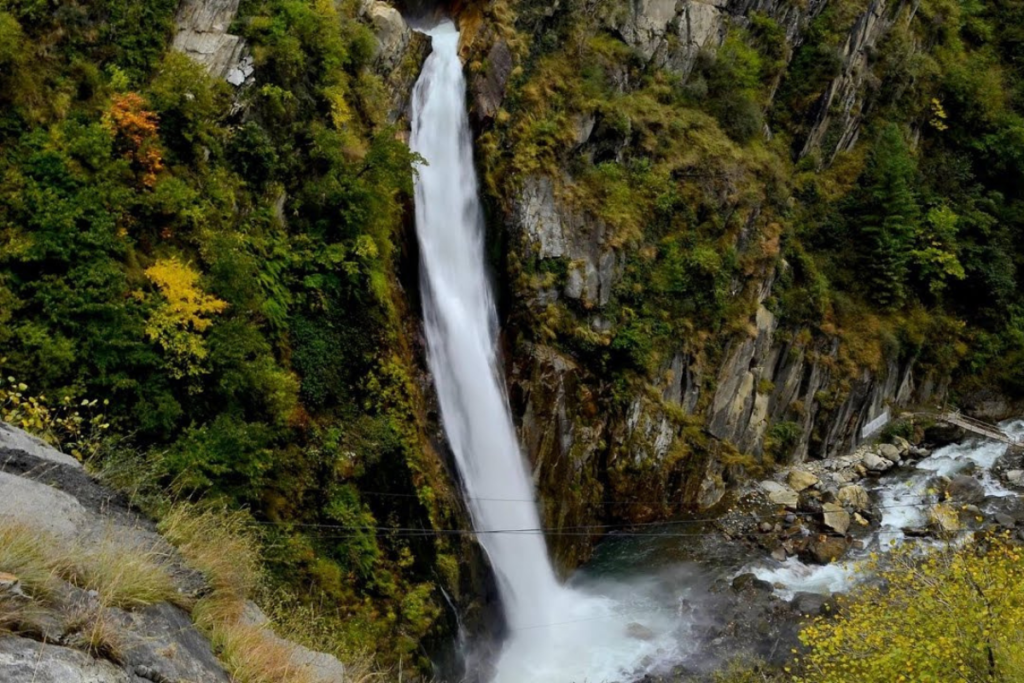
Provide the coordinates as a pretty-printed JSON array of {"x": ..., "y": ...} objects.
[
  {"x": 199, "y": 285},
  {"x": 895, "y": 243},
  {"x": 218, "y": 267}
]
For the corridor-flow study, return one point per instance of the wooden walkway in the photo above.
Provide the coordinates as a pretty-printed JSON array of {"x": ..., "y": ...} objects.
[{"x": 989, "y": 431}]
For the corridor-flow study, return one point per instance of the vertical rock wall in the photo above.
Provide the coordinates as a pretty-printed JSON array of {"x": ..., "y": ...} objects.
[{"x": 703, "y": 418}]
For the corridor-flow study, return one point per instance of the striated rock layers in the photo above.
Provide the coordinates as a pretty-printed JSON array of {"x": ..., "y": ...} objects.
[{"x": 203, "y": 35}]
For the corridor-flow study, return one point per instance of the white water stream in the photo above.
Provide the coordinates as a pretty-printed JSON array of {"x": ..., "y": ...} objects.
[
  {"x": 903, "y": 502},
  {"x": 558, "y": 635}
]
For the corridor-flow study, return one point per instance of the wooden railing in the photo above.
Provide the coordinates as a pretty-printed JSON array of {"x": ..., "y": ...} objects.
[{"x": 979, "y": 427}]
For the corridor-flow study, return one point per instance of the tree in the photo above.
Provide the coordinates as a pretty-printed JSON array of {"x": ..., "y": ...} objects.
[
  {"x": 888, "y": 214},
  {"x": 953, "y": 614},
  {"x": 177, "y": 324}
]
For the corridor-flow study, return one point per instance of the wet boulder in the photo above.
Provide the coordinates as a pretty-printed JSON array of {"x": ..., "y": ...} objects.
[
  {"x": 810, "y": 604},
  {"x": 889, "y": 452},
  {"x": 854, "y": 497},
  {"x": 943, "y": 519},
  {"x": 749, "y": 582},
  {"x": 966, "y": 490},
  {"x": 638, "y": 631},
  {"x": 825, "y": 549},
  {"x": 836, "y": 517},
  {"x": 942, "y": 434},
  {"x": 918, "y": 453},
  {"x": 876, "y": 463}
]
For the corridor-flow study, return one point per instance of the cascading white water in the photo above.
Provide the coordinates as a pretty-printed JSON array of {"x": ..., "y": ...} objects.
[
  {"x": 460, "y": 326},
  {"x": 903, "y": 501},
  {"x": 558, "y": 635}
]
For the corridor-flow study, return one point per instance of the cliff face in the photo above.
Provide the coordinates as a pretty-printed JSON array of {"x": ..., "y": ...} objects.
[
  {"x": 202, "y": 34},
  {"x": 718, "y": 401}
]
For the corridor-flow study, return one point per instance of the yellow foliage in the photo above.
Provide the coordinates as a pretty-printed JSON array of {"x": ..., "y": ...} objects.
[
  {"x": 341, "y": 113},
  {"x": 67, "y": 426},
  {"x": 955, "y": 614},
  {"x": 178, "y": 323}
]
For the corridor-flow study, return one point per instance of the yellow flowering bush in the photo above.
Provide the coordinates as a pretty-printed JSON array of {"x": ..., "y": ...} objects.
[
  {"x": 955, "y": 614},
  {"x": 75, "y": 427}
]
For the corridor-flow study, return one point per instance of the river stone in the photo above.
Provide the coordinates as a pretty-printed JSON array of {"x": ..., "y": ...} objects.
[
  {"x": 965, "y": 489},
  {"x": 1003, "y": 519},
  {"x": 902, "y": 444},
  {"x": 944, "y": 518},
  {"x": 780, "y": 494},
  {"x": 639, "y": 631},
  {"x": 827, "y": 549},
  {"x": 801, "y": 479},
  {"x": 854, "y": 496},
  {"x": 876, "y": 463},
  {"x": 889, "y": 452},
  {"x": 809, "y": 604},
  {"x": 836, "y": 518},
  {"x": 745, "y": 582},
  {"x": 1015, "y": 477}
]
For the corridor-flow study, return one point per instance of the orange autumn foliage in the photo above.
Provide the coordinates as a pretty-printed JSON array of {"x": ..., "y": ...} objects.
[{"x": 137, "y": 128}]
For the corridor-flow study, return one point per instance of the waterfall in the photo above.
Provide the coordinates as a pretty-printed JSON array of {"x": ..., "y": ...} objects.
[
  {"x": 461, "y": 327},
  {"x": 558, "y": 635}
]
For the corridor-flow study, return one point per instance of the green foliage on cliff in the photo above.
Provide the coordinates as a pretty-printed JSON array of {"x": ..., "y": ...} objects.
[
  {"x": 220, "y": 266},
  {"x": 898, "y": 241}
]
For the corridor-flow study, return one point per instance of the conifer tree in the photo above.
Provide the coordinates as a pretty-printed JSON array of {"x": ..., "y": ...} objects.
[{"x": 888, "y": 217}]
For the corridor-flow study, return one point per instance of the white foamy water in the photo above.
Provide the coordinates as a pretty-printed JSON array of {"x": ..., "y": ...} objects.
[
  {"x": 903, "y": 501},
  {"x": 558, "y": 635}
]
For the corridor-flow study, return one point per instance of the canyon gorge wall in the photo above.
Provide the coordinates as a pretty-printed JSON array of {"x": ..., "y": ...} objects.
[{"x": 732, "y": 398}]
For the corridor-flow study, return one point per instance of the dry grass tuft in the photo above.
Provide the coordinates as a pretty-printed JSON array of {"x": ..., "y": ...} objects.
[
  {"x": 252, "y": 655},
  {"x": 89, "y": 628},
  {"x": 124, "y": 576},
  {"x": 28, "y": 555},
  {"x": 220, "y": 544}
]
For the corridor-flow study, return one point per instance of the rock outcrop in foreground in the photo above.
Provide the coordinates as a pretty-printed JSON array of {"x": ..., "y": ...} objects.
[{"x": 114, "y": 607}]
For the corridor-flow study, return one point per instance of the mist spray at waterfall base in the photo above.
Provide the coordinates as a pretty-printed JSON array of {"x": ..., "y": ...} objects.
[{"x": 557, "y": 634}]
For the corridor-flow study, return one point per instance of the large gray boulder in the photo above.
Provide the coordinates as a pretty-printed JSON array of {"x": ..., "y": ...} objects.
[
  {"x": 780, "y": 494},
  {"x": 27, "y": 661},
  {"x": 39, "y": 506},
  {"x": 393, "y": 34},
  {"x": 876, "y": 463},
  {"x": 966, "y": 490},
  {"x": 836, "y": 517},
  {"x": 16, "y": 439}
]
